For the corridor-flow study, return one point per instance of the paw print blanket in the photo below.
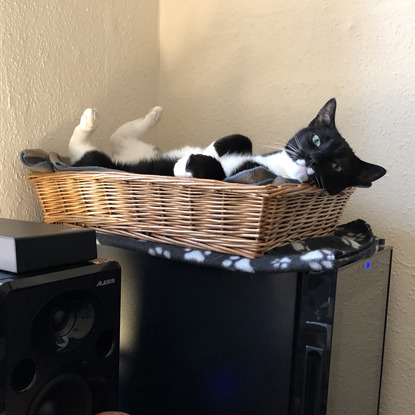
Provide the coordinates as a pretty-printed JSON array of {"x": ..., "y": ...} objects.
[{"x": 351, "y": 242}]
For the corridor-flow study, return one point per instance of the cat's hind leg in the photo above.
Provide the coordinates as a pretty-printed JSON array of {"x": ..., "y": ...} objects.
[
  {"x": 137, "y": 128},
  {"x": 79, "y": 143},
  {"x": 125, "y": 146}
]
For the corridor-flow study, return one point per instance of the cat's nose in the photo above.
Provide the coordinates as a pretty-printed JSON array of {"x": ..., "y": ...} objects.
[{"x": 314, "y": 160}]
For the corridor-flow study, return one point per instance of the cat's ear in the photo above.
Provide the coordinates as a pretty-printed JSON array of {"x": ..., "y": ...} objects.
[
  {"x": 325, "y": 117},
  {"x": 368, "y": 173}
]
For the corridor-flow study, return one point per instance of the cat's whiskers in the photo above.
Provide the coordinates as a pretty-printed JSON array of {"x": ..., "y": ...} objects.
[
  {"x": 275, "y": 148},
  {"x": 289, "y": 148},
  {"x": 300, "y": 147},
  {"x": 322, "y": 184},
  {"x": 291, "y": 153},
  {"x": 317, "y": 180}
]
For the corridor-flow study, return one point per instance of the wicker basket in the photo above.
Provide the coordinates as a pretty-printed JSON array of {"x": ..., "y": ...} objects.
[{"x": 236, "y": 219}]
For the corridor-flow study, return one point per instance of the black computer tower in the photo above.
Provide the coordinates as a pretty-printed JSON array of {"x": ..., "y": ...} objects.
[{"x": 204, "y": 341}]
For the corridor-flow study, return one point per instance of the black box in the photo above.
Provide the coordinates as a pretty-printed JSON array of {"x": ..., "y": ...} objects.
[{"x": 29, "y": 246}]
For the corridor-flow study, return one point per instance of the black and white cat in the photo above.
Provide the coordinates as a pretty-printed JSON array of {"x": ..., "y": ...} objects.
[{"x": 317, "y": 154}]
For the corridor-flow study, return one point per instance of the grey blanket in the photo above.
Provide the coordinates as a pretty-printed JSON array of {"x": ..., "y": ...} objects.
[{"x": 38, "y": 161}]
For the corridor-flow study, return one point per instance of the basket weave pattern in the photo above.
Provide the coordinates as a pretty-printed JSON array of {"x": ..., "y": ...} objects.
[{"x": 232, "y": 218}]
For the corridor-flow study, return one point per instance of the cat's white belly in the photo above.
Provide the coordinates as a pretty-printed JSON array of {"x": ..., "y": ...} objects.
[
  {"x": 132, "y": 151},
  {"x": 184, "y": 152}
]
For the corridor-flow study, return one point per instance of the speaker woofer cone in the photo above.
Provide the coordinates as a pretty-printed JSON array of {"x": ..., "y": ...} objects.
[{"x": 66, "y": 394}]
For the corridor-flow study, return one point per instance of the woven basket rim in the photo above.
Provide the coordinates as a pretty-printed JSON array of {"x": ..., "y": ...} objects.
[{"x": 269, "y": 190}]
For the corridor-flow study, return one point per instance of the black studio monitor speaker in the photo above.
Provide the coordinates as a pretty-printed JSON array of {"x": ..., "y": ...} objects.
[{"x": 59, "y": 340}]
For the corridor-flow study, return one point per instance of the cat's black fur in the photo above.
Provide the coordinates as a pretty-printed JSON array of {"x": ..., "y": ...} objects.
[{"x": 329, "y": 160}]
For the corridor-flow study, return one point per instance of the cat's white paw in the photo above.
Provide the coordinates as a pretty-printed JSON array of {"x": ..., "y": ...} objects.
[
  {"x": 180, "y": 168},
  {"x": 154, "y": 115},
  {"x": 89, "y": 120},
  {"x": 300, "y": 171}
]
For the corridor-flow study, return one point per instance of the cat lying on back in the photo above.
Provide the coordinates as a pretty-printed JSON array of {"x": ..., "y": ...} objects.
[{"x": 317, "y": 154}]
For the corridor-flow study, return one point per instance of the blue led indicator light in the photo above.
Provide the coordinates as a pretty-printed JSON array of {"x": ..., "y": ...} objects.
[{"x": 368, "y": 265}]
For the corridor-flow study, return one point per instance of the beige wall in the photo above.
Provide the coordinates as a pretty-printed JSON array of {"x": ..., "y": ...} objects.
[
  {"x": 264, "y": 68},
  {"x": 58, "y": 58}
]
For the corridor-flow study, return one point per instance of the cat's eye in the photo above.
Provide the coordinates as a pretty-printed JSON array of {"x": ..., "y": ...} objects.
[
  {"x": 336, "y": 167},
  {"x": 316, "y": 140}
]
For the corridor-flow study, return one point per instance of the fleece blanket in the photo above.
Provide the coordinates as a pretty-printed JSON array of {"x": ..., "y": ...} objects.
[{"x": 351, "y": 242}]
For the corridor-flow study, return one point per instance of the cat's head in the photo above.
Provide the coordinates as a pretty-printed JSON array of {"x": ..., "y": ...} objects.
[{"x": 327, "y": 153}]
